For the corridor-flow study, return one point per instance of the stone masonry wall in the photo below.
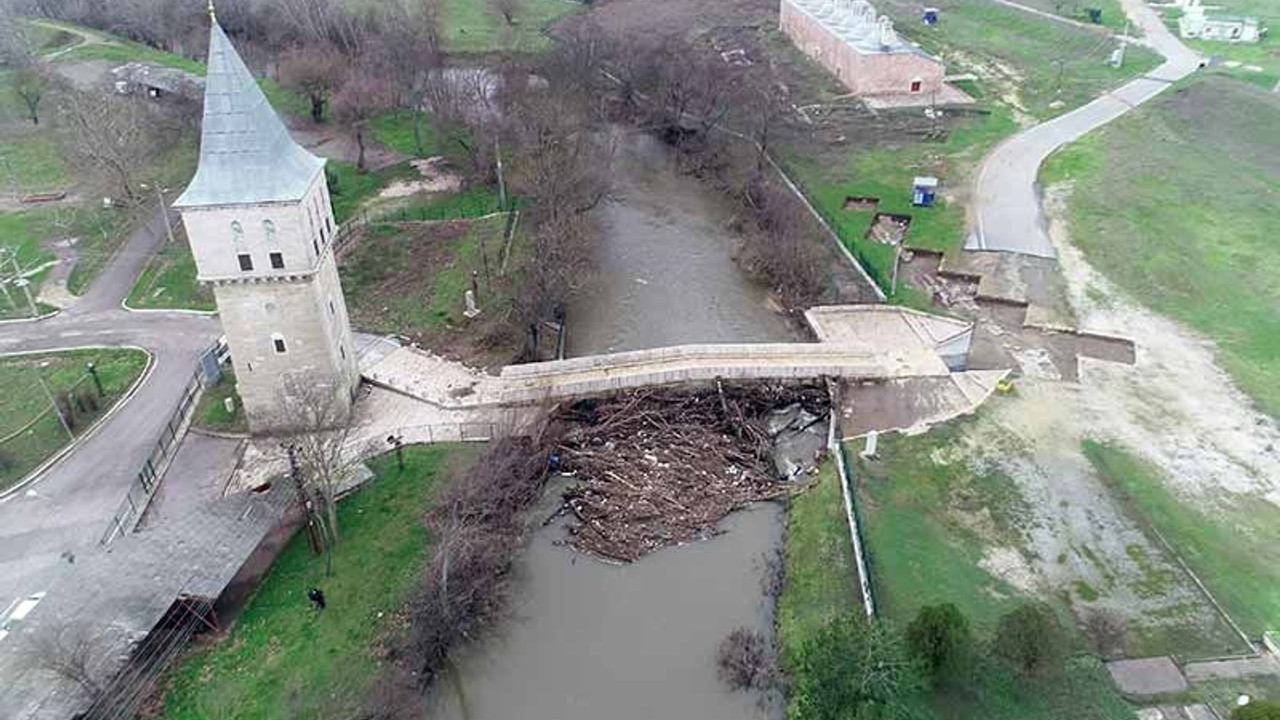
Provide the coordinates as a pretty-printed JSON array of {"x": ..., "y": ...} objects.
[{"x": 863, "y": 73}]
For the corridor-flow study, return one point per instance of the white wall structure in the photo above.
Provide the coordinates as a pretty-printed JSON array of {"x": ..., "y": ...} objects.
[
  {"x": 1196, "y": 25},
  {"x": 260, "y": 225},
  {"x": 860, "y": 48}
]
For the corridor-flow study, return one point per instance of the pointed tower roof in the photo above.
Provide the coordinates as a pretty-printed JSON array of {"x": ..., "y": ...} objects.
[{"x": 246, "y": 153}]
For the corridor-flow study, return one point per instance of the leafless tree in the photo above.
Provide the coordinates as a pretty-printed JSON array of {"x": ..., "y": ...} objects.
[
  {"x": 315, "y": 71},
  {"x": 116, "y": 135},
  {"x": 74, "y": 654},
  {"x": 321, "y": 420},
  {"x": 477, "y": 522},
  {"x": 508, "y": 9},
  {"x": 30, "y": 84},
  {"x": 366, "y": 94}
]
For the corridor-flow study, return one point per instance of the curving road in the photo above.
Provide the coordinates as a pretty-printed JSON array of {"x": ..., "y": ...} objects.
[
  {"x": 67, "y": 509},
  {"x": 1006, "y": 213}
]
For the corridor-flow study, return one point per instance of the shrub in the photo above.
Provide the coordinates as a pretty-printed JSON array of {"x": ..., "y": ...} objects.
[
  {"x": 1030, "y": 638},
  {"x": 853, "y": 669},
  {"x": 1262, "y": 710},
  {"x": 745, "y": 660},
  {"x": 938, "y": 637}
]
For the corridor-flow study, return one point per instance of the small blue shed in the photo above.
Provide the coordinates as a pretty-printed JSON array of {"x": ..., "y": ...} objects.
[{"x": 924, "y": 191}]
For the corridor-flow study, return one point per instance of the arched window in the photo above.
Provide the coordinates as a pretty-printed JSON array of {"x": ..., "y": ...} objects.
[
  {"x": 237, "y": 231},
  {"x": 269, "y": 229}
]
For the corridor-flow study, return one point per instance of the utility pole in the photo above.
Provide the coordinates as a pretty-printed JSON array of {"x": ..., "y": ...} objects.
[
  {"x": 1118, "y": 57},
  {"x": 54, "y": 405},
  {"x": 164, "y": 211}
]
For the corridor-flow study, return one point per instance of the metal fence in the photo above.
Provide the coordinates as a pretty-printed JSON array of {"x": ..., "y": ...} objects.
[{"x": 207, "y": 372}]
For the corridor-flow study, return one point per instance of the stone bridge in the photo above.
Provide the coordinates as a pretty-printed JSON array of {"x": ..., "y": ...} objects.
[{"x": 858, "y": 342}]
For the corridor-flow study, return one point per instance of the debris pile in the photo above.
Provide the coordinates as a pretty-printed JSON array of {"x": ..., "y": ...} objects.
[{"x": 662, "y": 467}]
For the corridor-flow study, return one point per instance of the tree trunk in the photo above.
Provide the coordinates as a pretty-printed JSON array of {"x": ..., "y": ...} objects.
[
  {"x": 360, "y": 144},
  {"x": 317, "y": 108}
]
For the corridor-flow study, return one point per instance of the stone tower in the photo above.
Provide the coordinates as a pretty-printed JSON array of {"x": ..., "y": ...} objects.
[{"x": 261, "y": 228}]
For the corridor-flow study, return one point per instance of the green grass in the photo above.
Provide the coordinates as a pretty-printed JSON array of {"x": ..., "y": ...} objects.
[
  {"x": 168, "y": 282},
  {"x": 921, "y": 528},
  {"x": 284, "y": 660},
  {"x": 1234, "y": 547},
  {"x": 471, "y": 27},
  {"x": 1050, "y": 62},
  {"x": 212, "y": 412},
  {"x": 350, "y": 189},
  {"x": 1185, "y": 222},
  {"x": 22, "y": 399},
  {"x": 389, "y": 292},
  {"x": 396, "y": 131},
  {"x": 822, "y": 577},
  {"x": 99, "y": 230},
  {"x": 474, "y": 203},
  {"x": 31, "y": 163},
  {"x": 887, "y": 173},
  {"x": 1264, "y": 54}
]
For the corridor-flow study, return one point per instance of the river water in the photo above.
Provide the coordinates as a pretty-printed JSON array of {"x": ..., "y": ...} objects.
[
  {"x": 666, "y": 273},
  {"x": 637, "y": 642}
]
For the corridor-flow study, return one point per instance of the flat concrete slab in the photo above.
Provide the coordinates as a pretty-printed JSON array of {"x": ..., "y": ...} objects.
[{"x": 1146, "y": 677}]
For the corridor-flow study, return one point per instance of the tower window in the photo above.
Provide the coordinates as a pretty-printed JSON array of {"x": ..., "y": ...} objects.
[
  {"x": 278, "y": 341},
  {"x": 342, "y": 351},
  {"x": 246, "y": 261},
  {"x": 277, "y": 261},
  {"x": 269, "y": 229},
  {"x": 328, "y": 223},
  {"x": 237, "y": 231},
  {"x": 332, "y": 309},
  {"x": 315, "y": 245},
  {"x": 916, "y": 86}
]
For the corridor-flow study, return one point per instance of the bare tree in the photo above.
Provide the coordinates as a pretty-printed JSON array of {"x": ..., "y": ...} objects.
[
  {"x": 366, "y": 94},
  {"x": 508, "y": 9},
  {"x": 324, "y": 462},
  {"x": 30, "y": 85},
  {"x": 315, "y": 71},
  {"x": 74, "y": 654},
  {"x": 117, "y": 135}
]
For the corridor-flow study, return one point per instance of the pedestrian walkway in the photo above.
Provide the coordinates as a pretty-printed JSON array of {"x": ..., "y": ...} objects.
[
  {"x": 1006, "y": 204},
  {"x": 863, "y": 342}
]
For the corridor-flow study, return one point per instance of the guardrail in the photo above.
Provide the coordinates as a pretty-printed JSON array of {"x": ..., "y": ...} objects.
[
  {"x": 145, "y": 483},
  {"x": 847, "y": 491}
]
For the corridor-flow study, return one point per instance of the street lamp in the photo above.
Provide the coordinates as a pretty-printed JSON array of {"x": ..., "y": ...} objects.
[{"x": 164, "y": 209}]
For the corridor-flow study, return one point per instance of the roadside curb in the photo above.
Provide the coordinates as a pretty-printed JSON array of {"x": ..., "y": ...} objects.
[
  {"x": 124, "y": 305},
  {"x": 218, "y": 433},
  {"x": 38, "y": 473},
  {"x": 35, "y": 319}
]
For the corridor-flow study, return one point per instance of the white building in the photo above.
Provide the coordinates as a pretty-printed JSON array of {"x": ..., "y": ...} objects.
[
  {"x": 1196, "y": 25},
  {"x": 261, "y": 227}
]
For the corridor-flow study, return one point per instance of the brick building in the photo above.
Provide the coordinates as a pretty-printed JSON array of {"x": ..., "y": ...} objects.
[{"x": 848, "y": 39}]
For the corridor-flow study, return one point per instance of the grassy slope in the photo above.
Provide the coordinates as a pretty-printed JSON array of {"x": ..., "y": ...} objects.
[
  {"x": 974, "y": 34},
  {"x": 437, "y": 299},
  {"x": 22, "y": 399},
  {"x": 1235, "y": 550},
  {"x": 471, "y": 27},
  {"x": 921, "y": 517},
  {"x": 282, "y": 659},
  {"x": 822, "y": 580},
  {"x": 169, "y": 282},
  {"x": 212, "y": 412},
  {"x": 1265, "y": 54},
  {"x": 921, "y": 529},
  {"x": 1197, "y": 209}
]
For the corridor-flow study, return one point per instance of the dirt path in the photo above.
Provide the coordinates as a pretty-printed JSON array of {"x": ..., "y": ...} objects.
[{"x": 1176, "y": 409}]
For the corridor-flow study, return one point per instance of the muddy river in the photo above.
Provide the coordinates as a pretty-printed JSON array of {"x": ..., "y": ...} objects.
[
  {"x": 592, "y": 640},
  {"x": 666, "y": 273}
]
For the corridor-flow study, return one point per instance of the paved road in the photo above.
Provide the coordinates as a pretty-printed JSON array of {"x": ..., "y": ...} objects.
[
  {"x": 69, "y": 507},
  {"x": 1007, "y": 214}
]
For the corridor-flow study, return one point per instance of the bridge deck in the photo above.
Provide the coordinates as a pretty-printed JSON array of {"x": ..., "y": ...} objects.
[{"x": 856, "y": 342}]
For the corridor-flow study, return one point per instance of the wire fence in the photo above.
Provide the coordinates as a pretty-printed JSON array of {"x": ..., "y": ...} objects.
[{"x": 143, "y": 488}]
